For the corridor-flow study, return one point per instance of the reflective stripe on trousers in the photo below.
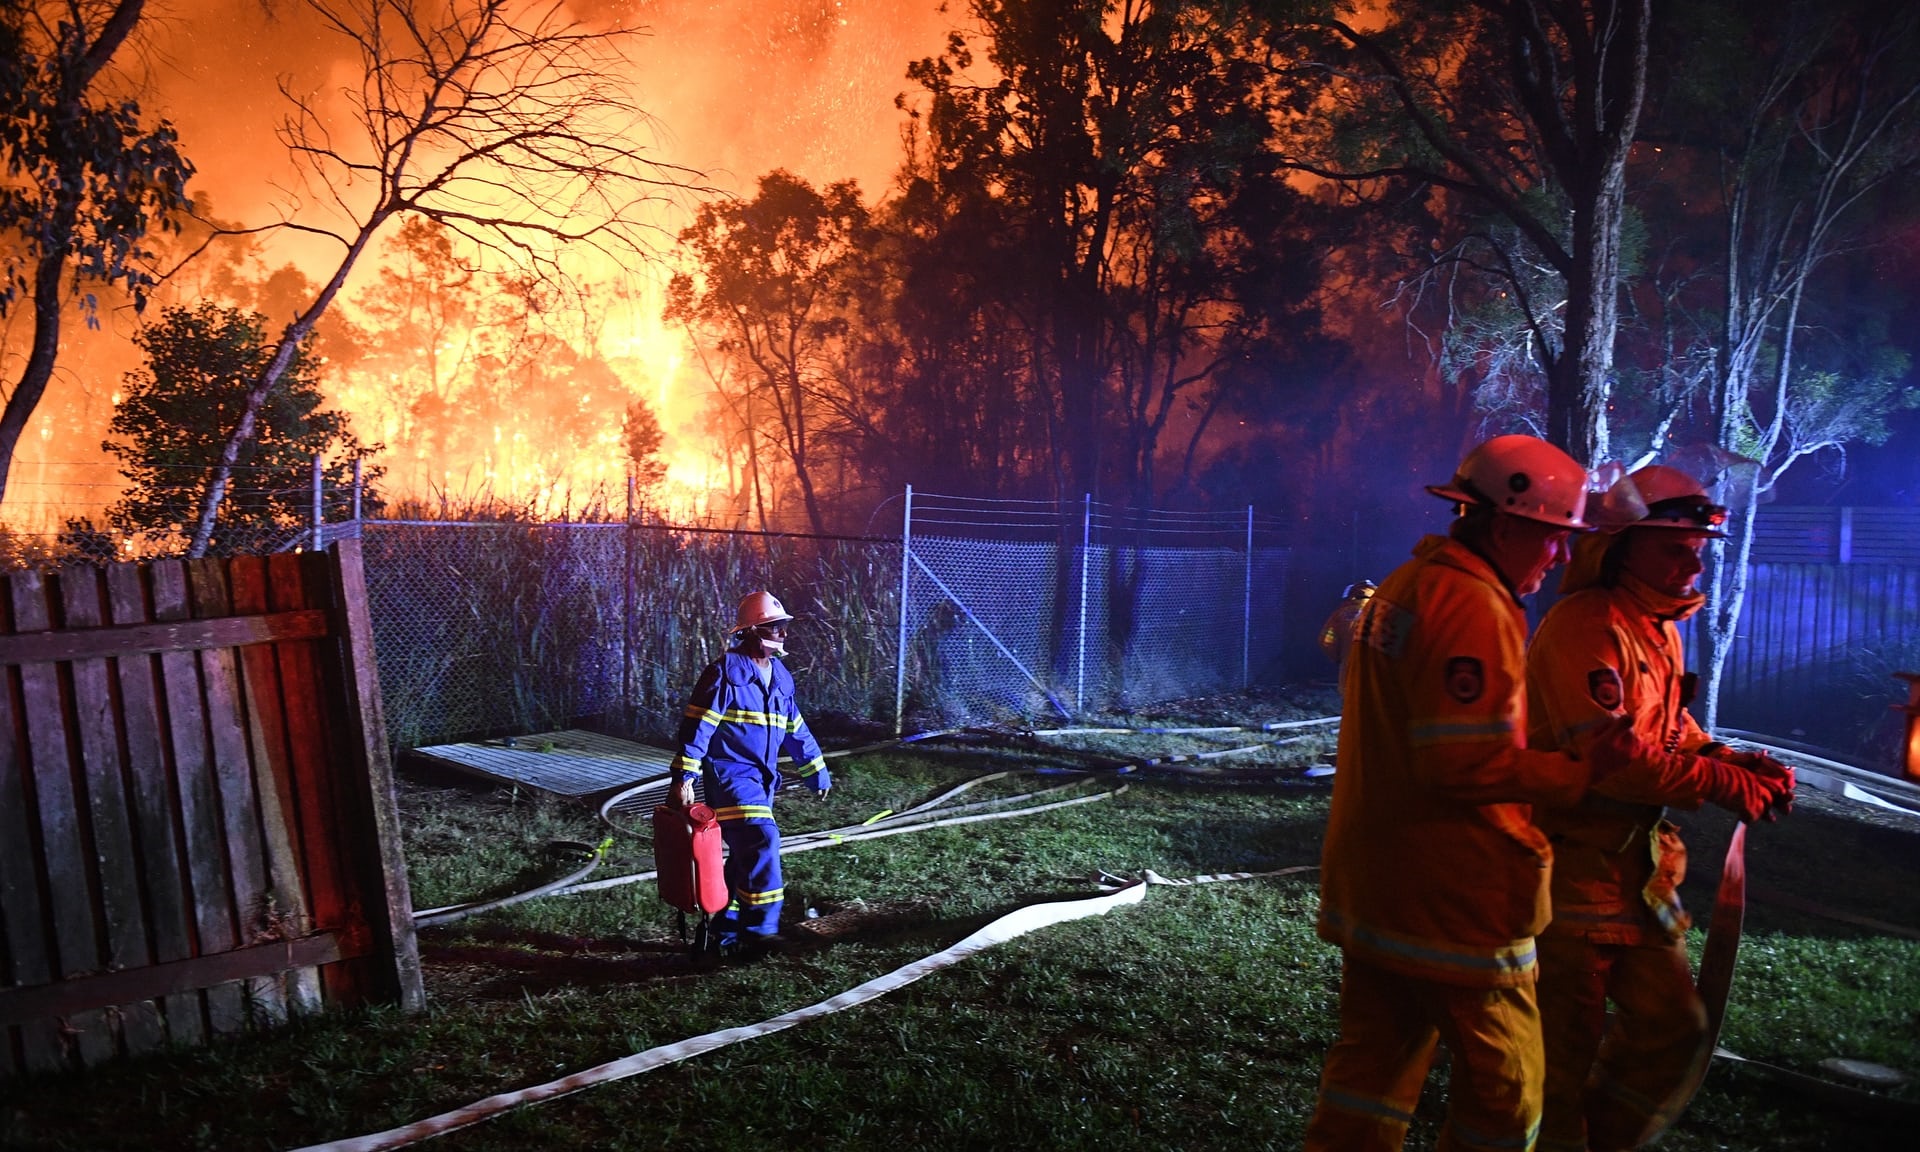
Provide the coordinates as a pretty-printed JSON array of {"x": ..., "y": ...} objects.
[
  {"x": 1389, "y": 1025},
  {"x": 753, "y": 879}
]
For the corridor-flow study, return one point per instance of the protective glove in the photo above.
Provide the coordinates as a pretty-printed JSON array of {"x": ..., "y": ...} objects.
[
  {"x": 1766, "y": 767},
  {"x": 681, "y": 794},
  {"x": 821, "y": 782},
  {"x": 1741, "y": 791}
]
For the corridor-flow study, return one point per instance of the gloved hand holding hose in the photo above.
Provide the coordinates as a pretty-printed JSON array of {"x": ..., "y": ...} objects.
[
  {"x": 1750, "y": 793},
  {"x": 1766, "y": 767}
]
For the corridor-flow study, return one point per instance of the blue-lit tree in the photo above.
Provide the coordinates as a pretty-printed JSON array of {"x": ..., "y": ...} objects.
[{"x": 1797, "y": 127}]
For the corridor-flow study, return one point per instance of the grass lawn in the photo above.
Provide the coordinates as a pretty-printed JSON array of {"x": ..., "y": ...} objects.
[{"x": 1196, "y": 1020}]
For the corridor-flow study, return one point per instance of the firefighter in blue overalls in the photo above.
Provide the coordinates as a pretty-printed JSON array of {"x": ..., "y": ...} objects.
[{"x": 741, "y": 733}]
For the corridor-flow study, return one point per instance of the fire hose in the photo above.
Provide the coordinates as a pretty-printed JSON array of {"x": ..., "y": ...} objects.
[
  {"x": 918, "y": 818},
  {"x": 1008, "y": 927},
  {"x": 447, "y": 914},
  {"x": 1714, "y": 979}
]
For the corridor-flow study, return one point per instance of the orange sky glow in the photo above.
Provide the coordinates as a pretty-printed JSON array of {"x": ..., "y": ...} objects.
[{"x": 738, "y": 88}]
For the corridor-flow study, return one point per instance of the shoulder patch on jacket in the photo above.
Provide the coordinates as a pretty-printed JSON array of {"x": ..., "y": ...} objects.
[
  {"x": 1385, "y": 627},
  {"x": 1603, "y": 684},
  {"x": 1466, "y": 678}
]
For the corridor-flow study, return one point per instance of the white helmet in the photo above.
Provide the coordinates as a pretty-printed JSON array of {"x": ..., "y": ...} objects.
[
  {"x": 1523, "y": 476},
  {"x": 1660, "y": 496},
  {"x": 758, "y": 608}
]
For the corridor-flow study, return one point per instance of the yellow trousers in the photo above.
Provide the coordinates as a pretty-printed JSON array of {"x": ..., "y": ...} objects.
[
  {"x": 1614, "y": 1086},
  {"x": 1389, "y": 1025}
]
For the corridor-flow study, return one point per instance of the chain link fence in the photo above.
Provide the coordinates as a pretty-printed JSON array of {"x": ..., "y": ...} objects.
[
  {"x": 83, "y": 512},
  {"x": 485, "y": 628},
  {"x": 1021, "y": 610},
  {"x": 504, "y": 623},
  {"x": 1029, "y": 608}
]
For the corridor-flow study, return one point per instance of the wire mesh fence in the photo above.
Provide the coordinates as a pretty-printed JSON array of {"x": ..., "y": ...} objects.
[
  {"x": 493, "y": 627},
  {"x": 508, "y": 622},
  {"x": 1013, "y": 609},
  {"x": 83, "y": 512},
  {"x": 1026, "y": 608}
]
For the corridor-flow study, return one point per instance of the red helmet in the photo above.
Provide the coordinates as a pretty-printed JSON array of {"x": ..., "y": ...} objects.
[
  {"x": 1524, "y": 476},
  {"x": 1660, "y": 496}
]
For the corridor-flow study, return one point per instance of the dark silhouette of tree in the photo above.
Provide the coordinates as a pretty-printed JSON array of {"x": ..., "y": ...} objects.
[
  {"x": 1520, "y": 110},
  {"x": 86, "y": 176},
  {"x": 764, "y": 290},
  {"x": 1109, "y": 158},
  {"x": 172, "y": 423},
  {"x": 640, "y": 436},
  {"x": 938, "y": 385},
  {"x": 506, "y": 124}
]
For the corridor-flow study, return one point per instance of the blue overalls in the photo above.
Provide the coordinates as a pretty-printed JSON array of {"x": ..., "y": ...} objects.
[{"x": 739, "y": 735}]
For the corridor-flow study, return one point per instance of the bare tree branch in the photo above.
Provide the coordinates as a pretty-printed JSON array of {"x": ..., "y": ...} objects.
[{"x": 505, "y": 122}]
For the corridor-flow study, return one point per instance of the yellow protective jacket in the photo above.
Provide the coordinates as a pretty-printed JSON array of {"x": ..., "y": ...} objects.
[
  {"x": 1432, "y": 866},
  {"x": 1603, "y": 652}
]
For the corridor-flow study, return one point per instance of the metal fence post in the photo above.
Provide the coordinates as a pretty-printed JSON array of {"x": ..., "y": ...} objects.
[
  {"x": 900, "y": 668},
  {"x": 1246, "y": 610},
  {"x": 1080, "y": 637},
  {"x": 319, "y": 508},
  {"x": 357, "y": 490},
  {"x": 627, "y": 574}
]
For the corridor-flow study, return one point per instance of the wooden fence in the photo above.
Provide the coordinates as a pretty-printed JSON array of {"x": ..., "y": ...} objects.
[{"x": 197, "y": 825}]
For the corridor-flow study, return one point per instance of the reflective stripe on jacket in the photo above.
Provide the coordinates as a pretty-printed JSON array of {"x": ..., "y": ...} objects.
[
  {"x": 1604, "y": 652},
  {"x": 735, "y": 723},
  {"x": 1432, "y": 866}
]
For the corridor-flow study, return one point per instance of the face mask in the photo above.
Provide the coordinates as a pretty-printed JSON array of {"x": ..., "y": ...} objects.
[{"x": 770, "y": 645}]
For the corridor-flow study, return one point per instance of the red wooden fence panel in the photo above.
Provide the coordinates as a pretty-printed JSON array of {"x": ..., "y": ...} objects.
[{"x": 197, "y": 825}]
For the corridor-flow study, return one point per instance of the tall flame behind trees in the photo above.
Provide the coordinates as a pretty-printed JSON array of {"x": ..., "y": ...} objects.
[
  {"x": 1089, "y": 248},
  {"x": 504, "y": 123}
]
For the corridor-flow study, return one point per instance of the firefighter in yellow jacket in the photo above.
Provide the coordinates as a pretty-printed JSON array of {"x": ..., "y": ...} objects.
[
  {"x": 1610, "y": 648},
  {"x": 1434, "y": 878}
]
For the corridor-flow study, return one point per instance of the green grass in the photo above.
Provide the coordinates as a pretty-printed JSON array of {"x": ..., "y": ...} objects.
[{"x": 1197, "y": 1019}]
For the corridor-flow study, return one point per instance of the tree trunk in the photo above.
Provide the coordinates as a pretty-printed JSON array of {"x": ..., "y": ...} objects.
[
  {"x": 1581, "y": 385},
  {"x": 1726, "y": 598},
  {"x": 283, "y": 354},
  {"x": 49, "y": 272}
]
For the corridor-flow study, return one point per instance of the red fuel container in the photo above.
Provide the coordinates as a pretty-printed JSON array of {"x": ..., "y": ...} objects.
[{"x": 686, "y": 853}]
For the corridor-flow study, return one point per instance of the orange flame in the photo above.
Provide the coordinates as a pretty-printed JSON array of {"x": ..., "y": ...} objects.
[{"x": 739, "y": 87}]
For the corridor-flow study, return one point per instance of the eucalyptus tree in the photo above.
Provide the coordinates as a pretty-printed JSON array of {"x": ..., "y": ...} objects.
[
  {"x": 1520, "y": 115},
  {"x": 1796, "y": 127},
  {"x": 1116, "y": 144},
  {"x": 763, "y": 285},
  {"x": 87, "y": 176}
]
